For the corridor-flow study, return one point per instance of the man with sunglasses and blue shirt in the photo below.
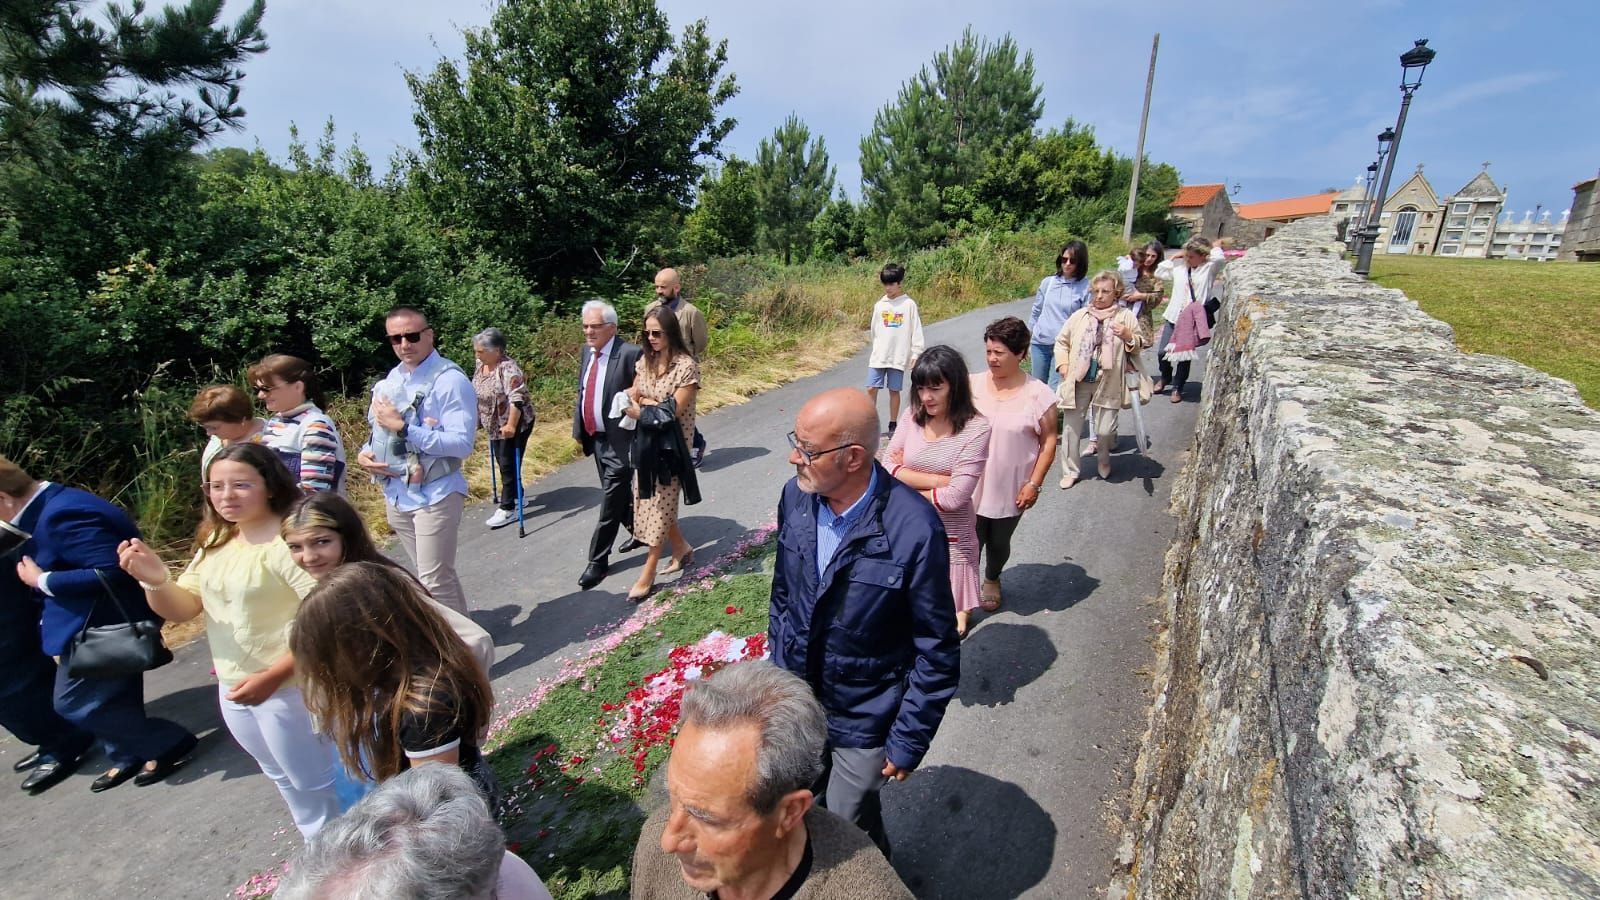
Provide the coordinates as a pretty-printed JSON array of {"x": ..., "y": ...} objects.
[
  {"x": 424, "y": 418},
  {"x": 861, "y": 605}
]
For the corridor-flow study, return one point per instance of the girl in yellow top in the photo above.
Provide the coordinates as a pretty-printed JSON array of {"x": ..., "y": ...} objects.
[{"x": 249, "y": 588}]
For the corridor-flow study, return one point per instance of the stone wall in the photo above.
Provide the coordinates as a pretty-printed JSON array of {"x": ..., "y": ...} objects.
[{"x": 1381, "y": 675}]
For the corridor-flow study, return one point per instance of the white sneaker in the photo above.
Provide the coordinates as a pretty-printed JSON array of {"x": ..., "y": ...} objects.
[{"x": 501, "y": 518}]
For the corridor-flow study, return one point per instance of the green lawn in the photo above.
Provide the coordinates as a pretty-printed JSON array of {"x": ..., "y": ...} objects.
[{"x": 1545, "y": 315}]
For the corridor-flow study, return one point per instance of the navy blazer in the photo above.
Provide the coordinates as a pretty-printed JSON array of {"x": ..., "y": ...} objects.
[
  {"x": 75, "y": 533},
  {"x": 621, "y": 369},
  {"x": 19, "y": 619},
  {"x": 875, "y": 636}
]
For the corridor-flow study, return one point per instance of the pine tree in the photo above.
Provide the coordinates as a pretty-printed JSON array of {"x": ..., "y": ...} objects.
[
  {"x": 938, "y": 133},
  {"x": 793, "y": 183},
  {"x": 573, "y": 132},
  {"x": 724, "y": 221},
  {"x": 67, "y": 83}
]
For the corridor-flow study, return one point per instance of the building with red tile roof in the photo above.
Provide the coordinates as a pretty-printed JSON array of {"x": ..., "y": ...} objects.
[
  {"x": 1289, "y": 209},
  {"x": 1202, "y": 210}
]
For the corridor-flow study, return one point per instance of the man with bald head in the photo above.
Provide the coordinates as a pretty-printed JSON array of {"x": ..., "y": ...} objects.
[
  {"x": 861, "y": 604},
  {"x": 692, "y": 323}
]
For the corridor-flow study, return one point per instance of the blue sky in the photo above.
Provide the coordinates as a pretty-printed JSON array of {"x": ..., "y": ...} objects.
[{"x": 1282, "y": 98}]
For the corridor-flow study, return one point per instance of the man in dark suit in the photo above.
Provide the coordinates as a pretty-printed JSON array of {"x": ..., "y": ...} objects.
[
  {"x": 27, "y": 679},
  {"x": 70, "y": 565},
  {"x": 608, "y": 367}
]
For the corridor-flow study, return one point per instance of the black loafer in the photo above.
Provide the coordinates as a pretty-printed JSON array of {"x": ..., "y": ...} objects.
[
  {"x": 593, "y": 575},
  {"x": 167, "y": 763},
  {"x": 50, "y": 773},
  {"x": 632, "y": 543},
  {"x": 108, "y": 781},
  {"x": 27, "y": 762}
]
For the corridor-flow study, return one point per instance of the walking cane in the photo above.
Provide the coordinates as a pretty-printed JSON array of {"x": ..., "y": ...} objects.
[
  {"x": 1138, "y": 420},
  {"x": 522, "y": 530}
]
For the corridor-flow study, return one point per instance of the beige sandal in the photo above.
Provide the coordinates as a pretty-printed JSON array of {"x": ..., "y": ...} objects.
[{"x": 991, "y": 596}]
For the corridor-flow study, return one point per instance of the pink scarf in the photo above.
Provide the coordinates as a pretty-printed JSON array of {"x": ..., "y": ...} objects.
[
  {"x": 1096, "y": 333},
  {"x": 1190, "y": 334}
]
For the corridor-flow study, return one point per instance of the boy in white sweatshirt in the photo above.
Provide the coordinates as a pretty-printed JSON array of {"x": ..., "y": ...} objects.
[{"x": 896, "y": 340}]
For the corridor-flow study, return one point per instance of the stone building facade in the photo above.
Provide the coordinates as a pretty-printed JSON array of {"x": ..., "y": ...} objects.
[
  {"x": 1471, "y": 216},
  {"x": 1582, "y": 239},
  {"x": 1203, "y": 210},
  {"x": 1532, "y": 238},
  {"x": 1410, "y": 219}
]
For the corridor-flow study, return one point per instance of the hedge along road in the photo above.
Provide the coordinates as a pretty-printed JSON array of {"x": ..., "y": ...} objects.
[{"x": 1016, "y": 798}]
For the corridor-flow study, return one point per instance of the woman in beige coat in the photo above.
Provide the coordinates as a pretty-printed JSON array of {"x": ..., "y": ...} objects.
[{"x": 1092, "y": 354}]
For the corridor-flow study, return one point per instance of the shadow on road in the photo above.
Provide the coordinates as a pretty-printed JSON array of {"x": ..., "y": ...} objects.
[
  {"x": 959, "y": 833},
  {"x": 1034, "y": 587},
  {"x": 563, "y": 621},
  {"x": 998, "y": 658},
  {"x": 722, "y": 457}
]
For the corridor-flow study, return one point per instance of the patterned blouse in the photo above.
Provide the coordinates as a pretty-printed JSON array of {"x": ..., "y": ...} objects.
[{"x": 498, "y": 388}]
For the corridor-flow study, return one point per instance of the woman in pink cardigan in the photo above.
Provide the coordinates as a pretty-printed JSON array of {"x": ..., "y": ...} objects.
[{"x": 940, "y": 448}]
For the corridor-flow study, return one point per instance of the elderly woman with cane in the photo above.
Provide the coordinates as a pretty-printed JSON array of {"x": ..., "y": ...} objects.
[
  {"x": 1092, "y": 356},
  {"x": 506, "y": 414}
]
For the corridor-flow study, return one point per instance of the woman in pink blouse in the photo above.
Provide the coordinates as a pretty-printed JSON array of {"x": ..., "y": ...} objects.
[
  {"x": 1022, "y": 417},
  {"x": 940, "y": 448}
]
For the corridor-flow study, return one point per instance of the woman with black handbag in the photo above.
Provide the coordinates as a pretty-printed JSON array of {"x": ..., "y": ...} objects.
[{"x": 94, "y": 618}]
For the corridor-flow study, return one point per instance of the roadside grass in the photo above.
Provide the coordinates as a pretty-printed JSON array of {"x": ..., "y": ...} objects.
[
  {"x": 575, "y": 798},
  {"x": 1545, "y": 315}
]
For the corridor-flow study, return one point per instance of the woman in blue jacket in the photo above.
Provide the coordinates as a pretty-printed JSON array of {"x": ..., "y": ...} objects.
[{"x": 1060, "y": 295}]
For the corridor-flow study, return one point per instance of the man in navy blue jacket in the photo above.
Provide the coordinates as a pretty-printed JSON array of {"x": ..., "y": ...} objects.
[
  {"x": 71, "y": 566},
  {"x": 27, "y": 681},
  {"x": 861, "y": 604}
]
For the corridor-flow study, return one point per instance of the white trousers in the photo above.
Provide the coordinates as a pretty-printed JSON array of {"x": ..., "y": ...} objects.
[
  {"x": 278, "y": 732},
  {"x": 430, "y": 534}
]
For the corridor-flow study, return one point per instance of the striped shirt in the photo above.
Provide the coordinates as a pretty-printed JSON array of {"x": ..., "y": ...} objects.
[{"x": 308, "y": 443}]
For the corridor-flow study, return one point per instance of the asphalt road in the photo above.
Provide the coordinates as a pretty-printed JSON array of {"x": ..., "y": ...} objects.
[{"x": 1016, "y": 798}]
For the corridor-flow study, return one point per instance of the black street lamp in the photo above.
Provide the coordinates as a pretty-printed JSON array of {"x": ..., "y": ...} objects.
[
  {"x": 1365, "y": 209},
  {"x": 1413, "y": 63}
]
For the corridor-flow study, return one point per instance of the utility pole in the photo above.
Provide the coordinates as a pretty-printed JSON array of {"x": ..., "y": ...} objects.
[{"x": 1138, "y": 154}]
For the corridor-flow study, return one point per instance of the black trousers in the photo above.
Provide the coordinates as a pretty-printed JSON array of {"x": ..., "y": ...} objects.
[
  {"x": 1179, "y": 378},
  {"x": 504, "y": 452},
  {"x": 27, "y": 708},
  {"x": 112, "y": 709},
  {"x": 994, "y": 539},
  {"x": 616, "y": 507}
]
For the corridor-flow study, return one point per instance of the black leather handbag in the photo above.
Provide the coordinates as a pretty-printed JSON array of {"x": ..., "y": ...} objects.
[{"x": 112, "y": 651}]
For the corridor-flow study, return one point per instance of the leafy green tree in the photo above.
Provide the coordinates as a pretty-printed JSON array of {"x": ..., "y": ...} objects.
[
  {"x": 793, "y": 183},
  {"x": 938, "y": 134},
  {"x": 1031, "y": 176},
  {"x": 1158, "y": 187},
  {"x": 837, "y": 231},
  {"x": 571, "y": 129},
  {"x": 724, "y": 220}
]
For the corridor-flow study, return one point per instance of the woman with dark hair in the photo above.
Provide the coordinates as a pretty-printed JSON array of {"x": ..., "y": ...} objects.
[
  {"x": 323, "y": 532},
  {"x": 668, "y": 378},
  {"x": 249, "y": 589},
  {"x": 1060, "y": 295},
  {"x": 299, "y": 431},
  {"x": 1022, "y": 418},
  {"x": 388, "y": 678},
  {"x": 505, "y": 413},
  {"x": 940, "y": 449}
]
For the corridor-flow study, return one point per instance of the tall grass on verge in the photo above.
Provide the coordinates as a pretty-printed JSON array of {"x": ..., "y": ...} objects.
[{"x": 164, "y": 495}]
